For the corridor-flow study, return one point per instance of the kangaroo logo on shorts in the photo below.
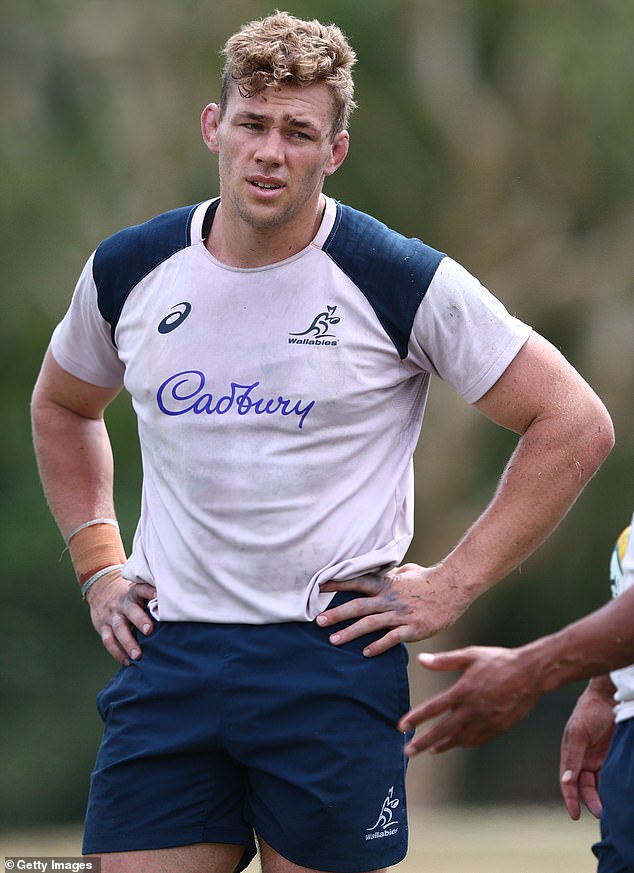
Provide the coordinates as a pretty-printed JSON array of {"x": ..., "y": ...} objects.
[{"x": 385, "y": 825}]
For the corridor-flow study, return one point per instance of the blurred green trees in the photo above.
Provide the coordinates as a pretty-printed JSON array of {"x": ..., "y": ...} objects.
[{"x": 498, "y": 131}]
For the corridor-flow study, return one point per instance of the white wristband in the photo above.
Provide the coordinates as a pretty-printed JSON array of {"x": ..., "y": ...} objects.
[
  {"x": 75, "y": 530},
  {"x": 90, "y": 582}
]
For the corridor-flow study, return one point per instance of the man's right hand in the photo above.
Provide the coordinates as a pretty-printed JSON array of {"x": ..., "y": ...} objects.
[{"x": 116, "y": 606}]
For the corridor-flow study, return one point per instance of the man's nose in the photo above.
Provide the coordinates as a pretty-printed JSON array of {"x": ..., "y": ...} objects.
[{"x": 271, "y": 147}]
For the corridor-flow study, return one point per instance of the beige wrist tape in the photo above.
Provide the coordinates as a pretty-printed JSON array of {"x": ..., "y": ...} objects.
[{"x": 94, "y": 547}]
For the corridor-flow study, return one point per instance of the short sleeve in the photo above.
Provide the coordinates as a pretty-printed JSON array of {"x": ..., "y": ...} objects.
[
  {"x": 81, "y": 343},
  {"x": 463, "y": 333}
]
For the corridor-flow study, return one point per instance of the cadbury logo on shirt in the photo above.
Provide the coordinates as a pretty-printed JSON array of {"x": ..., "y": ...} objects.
[{"x": 184, "y": 393}]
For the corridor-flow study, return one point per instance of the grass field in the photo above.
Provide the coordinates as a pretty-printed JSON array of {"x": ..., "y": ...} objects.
[{"x": 479, "y": 840}]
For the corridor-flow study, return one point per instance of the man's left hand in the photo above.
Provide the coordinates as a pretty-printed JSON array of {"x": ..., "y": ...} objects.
[{"x": 411, "y": 601}]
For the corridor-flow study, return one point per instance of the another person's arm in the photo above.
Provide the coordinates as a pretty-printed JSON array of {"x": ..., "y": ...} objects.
[
  {"x": 500, "y": 686},
  {"x": 565, "y": 434},
  {"x": 75, "y": 462}
]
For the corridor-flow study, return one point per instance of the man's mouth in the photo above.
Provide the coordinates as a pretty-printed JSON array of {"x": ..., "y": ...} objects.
[{"x": 267, "y": 186}]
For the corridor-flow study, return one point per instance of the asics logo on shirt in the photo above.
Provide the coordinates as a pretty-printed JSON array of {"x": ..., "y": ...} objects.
[
  {"x": 176, "y": 317},
  {"x": 318, "y": 332}
]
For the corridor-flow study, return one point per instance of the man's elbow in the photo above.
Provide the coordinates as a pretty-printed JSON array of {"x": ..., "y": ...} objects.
[{"x": 599, "y": 437}]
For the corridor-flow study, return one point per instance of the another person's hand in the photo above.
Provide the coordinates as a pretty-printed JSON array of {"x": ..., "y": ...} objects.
[
  {"x": 584, "y": 746},
  {"x": 492, "y": 694},
  {"x": 412, "y": 602},
  {"x": 115, "y": 606}
]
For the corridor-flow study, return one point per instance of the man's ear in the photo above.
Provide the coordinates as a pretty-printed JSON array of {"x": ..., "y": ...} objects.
[
  {"x": 338, "y": 152},
  {"x": 209, "y": 121}
]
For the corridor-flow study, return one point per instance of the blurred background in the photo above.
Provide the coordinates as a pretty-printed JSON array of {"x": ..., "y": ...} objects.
[{"x": 499, "y": 131}]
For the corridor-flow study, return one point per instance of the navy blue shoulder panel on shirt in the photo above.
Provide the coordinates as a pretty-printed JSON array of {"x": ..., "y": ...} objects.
[
  {"x": 122, "y": 260},
  {"x": 392, "y": 272}
]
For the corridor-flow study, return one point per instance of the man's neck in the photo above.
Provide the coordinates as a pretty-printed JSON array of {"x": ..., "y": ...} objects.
[{"x": 237, "y": 244}]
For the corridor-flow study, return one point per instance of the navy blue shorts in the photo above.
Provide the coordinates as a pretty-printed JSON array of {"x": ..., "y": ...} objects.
[
  {"x": 615, "y": 850},
  {"x": 220, "y": 731}
]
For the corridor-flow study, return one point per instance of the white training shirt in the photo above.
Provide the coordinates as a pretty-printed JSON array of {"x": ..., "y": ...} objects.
[
  {"x": 278, "y": 407},
  {"x": 624, "y": 679}
]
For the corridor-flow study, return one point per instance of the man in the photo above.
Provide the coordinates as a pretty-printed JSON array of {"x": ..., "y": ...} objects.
[
  {"x": 500, "y": 686},
  {"x": 278, "y": 348}
]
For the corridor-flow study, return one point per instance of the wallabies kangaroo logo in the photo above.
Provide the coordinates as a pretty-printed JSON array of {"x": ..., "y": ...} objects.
[
  {"x": 386, "y": 816},
  {"x": 321, "y": 323}
]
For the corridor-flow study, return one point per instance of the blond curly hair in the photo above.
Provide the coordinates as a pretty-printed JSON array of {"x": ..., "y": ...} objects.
[{"x": 281, "y": 49}]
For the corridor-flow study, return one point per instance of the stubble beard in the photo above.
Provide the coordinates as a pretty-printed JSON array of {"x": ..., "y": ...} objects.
[{"x": 261, "y": 219}]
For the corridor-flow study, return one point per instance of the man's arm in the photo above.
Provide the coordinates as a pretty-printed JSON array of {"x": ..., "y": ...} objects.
[
  {"x": 75, "y": 462},
  {"x": 565, "y": 434},
  {"x": 500, "y": 686}
]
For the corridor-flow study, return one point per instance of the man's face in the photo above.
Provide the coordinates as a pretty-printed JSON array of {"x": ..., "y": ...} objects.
[{"x": 275, "y": 149}]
